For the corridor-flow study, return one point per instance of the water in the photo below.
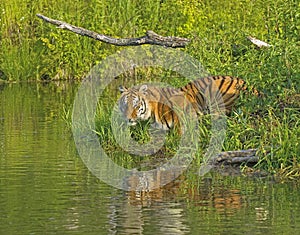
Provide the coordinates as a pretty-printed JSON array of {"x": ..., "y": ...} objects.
[{"x": 46, "y": 189}]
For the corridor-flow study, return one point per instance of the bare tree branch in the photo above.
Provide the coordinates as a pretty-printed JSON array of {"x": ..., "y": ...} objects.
[{"x": 149, "y": 38}]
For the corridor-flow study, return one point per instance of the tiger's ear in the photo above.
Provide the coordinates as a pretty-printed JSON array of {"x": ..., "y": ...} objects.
[
  {"x": 122, "y": 88},
  {"x": 143, "y": 89}
]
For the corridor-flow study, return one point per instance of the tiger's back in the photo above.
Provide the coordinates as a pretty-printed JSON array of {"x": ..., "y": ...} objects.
[{"x": 215, "y": 93}]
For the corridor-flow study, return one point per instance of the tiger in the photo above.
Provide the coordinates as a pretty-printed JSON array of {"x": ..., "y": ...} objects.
[{"x": 207, "y": 95}]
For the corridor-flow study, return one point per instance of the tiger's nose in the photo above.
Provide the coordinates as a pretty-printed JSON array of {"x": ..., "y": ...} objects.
[{"x": 131, "y": 122}]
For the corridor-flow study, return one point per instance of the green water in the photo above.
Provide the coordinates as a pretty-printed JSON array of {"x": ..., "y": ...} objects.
[{"x": 46, "y": 189}]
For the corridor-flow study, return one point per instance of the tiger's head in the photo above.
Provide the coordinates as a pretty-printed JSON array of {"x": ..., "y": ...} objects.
[{"x": 134, "y": 104}]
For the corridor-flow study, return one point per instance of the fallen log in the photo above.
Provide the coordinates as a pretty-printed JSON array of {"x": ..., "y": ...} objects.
[
  {"x": 235, "y": 157},
  {"x": 150, "y": 37}
]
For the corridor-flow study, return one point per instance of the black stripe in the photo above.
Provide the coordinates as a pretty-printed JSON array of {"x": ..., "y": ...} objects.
[
  {"x": 200, "y": 102},
  {"x": 200, "y": 85},
  {"x": 173, "y": 91},
  {"x": 168, "y": 92},
  {"x": 151, "y": 92},
  {"x": 145, "y": 106},
  {"x": 204, "y": 83},
  {"x": 194, "y": 89},
  {"x": 167, "y": 123},
  {"x": 163, "y": 94},
  {"x": 230, "y": 99},
  {"x": 184, "y": 89},
  {"x": 163, "y": 117},
  {"x": 221, "y": 84},
  {"x": 172, "y": 115},
  {"x": 229, "y": 86},
  {"x": 188, "y": 87}
]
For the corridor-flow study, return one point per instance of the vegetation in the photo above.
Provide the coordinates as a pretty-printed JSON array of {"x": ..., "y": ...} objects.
[{"x": 33, "y": 50}]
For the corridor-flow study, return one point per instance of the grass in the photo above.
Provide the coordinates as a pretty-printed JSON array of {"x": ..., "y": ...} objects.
[{"x": 34, "y": 50}]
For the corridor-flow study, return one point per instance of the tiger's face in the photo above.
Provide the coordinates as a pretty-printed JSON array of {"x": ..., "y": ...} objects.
[{"x": 134, "y": 105}]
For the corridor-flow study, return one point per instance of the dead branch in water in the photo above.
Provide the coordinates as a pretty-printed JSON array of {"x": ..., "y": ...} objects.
[{"x": 149, "y": 38}]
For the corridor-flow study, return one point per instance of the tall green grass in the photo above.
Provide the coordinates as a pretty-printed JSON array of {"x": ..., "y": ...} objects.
[{"x": 34, "y": 50}]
